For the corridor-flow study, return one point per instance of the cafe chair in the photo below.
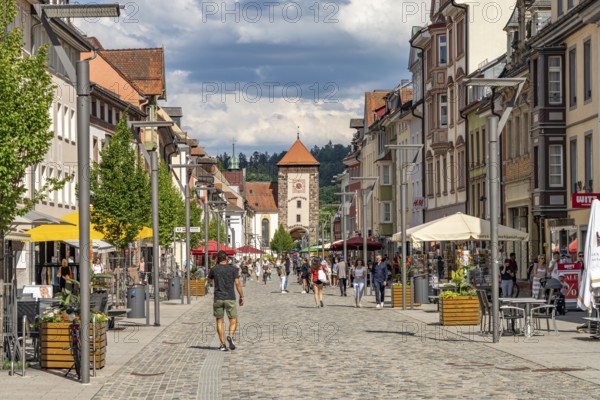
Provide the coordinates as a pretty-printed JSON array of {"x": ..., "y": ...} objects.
[
  {"x": 547, "y": 312},
  {"x": 513, "y": 315},
  {"x": 485, "y": 321}
]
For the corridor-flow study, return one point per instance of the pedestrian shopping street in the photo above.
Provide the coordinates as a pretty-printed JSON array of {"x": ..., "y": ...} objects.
[{"x": 287, "y": 348}]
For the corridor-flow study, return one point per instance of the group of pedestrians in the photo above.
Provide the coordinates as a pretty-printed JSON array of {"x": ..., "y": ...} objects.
[{"x": 225, "y": 277}]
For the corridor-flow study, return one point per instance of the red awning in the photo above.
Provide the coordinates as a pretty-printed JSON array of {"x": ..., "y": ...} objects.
[
  {"x": 356, "y": 243},
  {"x": 249, "y": 250},
  {"x": 212, "y": 249}
]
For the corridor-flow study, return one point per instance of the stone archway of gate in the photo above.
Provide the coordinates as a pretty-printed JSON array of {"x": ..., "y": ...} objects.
[{"x": 298, "y": 232}]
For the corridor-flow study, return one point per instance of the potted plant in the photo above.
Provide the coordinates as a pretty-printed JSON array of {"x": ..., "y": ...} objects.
[
  {"x": 54, "y": 326},
  {"x": 397, "y": 295},
  {"x": 197, "y": 282},
  {"x": 459, "y": 305}
]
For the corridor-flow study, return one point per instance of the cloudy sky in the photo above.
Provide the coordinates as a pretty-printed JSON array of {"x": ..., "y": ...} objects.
[{"x": 256, "y": 70}]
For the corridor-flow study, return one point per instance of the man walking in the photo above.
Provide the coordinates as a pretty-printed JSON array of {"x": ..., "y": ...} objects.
[
  {"x": 380, "y": 274},
  {"x": 285, "y": 274},
  {"x": 514, "y": 266},
  {"x": 225, "y": 277},
  {"x": 342, "y": 275}
]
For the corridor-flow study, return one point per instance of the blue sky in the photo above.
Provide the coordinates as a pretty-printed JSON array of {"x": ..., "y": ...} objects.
[{"x": 255, "y": 70}]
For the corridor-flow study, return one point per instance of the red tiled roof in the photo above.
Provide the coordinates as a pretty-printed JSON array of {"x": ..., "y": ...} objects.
[
  {"x": 262, "y": 196},
  {"x": 373, "y": 100},
  {"x": 235, "y": 178},
  {"x": 145, "y": 68},
  {"x": 298, "y": 154}
]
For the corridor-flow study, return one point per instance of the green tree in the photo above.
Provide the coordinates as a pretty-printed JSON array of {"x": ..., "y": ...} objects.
[
  {"x": 196, "y": 220},
  {"x": 120, "y": 190},
  {"x": 282, "y": 241},
  {"x": 212, "y": 230},
  {"x": 171, "y": 207},
  {"x": 26, "y": 94}
]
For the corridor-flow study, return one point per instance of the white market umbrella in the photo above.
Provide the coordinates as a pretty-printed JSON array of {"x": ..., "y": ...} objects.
[
  {"x": 459, "y": 227},
  {"x": 591, "y": 276}
]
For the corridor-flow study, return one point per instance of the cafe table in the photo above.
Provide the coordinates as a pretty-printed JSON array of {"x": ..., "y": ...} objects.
[{"x": 527, "y": 302}]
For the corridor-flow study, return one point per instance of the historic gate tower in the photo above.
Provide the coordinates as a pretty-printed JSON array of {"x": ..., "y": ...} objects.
[{"x": 298, "y": 192}]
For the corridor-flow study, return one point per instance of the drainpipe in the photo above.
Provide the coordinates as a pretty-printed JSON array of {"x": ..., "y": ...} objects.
[
  {"x": 422, "y": 101},
  {"x": 465, "y": 8}
]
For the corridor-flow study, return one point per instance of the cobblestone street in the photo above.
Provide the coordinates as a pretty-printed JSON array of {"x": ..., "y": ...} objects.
[{"x": 287, "y": 348}]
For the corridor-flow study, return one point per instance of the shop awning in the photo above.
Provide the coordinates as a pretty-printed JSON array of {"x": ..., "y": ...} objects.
[
  {"x": 99, "y": 246},
  {"x": 53, "y": 232}
]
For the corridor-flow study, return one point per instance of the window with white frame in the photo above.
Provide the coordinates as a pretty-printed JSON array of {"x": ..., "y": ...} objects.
[
  {"x": 555, "y": 92},
  {"x": 572, "y": 78},
  {"x": 517, "y": 136},
  {"x": 430, "y": 178},
  {"x": 52, "y": 194},
  {"x": 443, "y": 53},
  {"x": 59, "y": 121},
  {"x": 60, "y": 193},
  {"x": 386, "y": 176},
  {"x": 66, "y": 123},
  {"x": 443, "y": 111},
  {"x": 588, "y": 163},
  {"x": 587, "y": 70},
  {"x": 386, "y": 212},
  {"x": 555, "y": 162},
  {"x": 73, "y": 122}
]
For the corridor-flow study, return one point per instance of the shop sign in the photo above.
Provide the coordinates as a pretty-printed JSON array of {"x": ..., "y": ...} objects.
[
  {"x": 572, "y": 273},
  {"x": 583, "y": 200}
]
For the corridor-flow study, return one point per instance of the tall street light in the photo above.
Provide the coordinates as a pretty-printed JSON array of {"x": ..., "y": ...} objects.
[
  {"x": 366, "y": 193},
  {"x": 200, "y": 187},
  {"x": 151, "y": 157},
  {"x": 493, "y": 177},
  {"x": 81, "y": 77},
  {"x": 404, "y": 153},
  {"x": 186, "y": 190},
  {"x": 344, "y": 228}
]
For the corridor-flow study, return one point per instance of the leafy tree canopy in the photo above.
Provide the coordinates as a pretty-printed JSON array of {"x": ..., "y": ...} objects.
[
  {"x": 282, "y": 241},
  {"x": 26, "y": 94},
  {"x": 120, "y": 189}
]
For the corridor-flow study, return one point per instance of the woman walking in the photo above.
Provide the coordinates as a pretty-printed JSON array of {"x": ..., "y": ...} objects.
[
  {"x": 317, "y": 282},
  {"x": 359, "y": 272},
  {"x": 539, "y": 273}
]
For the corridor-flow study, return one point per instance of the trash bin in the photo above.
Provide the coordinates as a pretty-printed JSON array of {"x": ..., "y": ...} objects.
[
  {"x": 421, "y": 289},
  {"x": 174, "y": 291},
  {"x": 136, "y": 301}
]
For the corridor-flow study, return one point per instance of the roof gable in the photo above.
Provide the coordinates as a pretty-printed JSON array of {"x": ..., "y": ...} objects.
[
  {"x": 145, "y": 68},
  {"x": 262, "y": 196},
  {"x": 297, "y": 155}
]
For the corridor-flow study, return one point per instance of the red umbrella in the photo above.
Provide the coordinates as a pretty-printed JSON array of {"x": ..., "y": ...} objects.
[
  {"x": 249, "y": 250},
  {"x": 212, "y": 249},
  {"x": 356, "y": 243}
]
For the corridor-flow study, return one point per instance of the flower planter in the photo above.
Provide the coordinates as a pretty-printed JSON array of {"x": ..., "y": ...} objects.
[
  {"x": 397, "y": 296},
  {"x": 55, "y": 350},
  {"x": 196, "y": 287},
  {"x": 459, "y": 310}
]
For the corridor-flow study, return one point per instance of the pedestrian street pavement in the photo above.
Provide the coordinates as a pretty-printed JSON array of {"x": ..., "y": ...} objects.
[{"x": 289, "y": 349}]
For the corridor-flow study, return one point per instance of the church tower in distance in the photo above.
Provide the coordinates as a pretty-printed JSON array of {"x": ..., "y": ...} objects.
[{"x": 298, "y": 193}]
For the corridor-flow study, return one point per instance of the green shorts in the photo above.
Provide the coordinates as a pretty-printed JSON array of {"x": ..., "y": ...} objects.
[{"x": 220, "y": 306}]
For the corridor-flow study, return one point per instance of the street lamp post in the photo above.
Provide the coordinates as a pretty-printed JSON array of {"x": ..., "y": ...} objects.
[
  {"x": 151, "y": 158},
  {"x": 344, "y": 230},
  {"x": 365, "y": 198},
  {"x": 495, "y": 126},
  {"x": 404, "y": 152},
  {"x": 81, "y": 77},
  {"x": 186, "y": 190}
]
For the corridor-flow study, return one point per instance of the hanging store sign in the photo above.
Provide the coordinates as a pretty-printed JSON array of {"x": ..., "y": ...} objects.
[{"x": 583, "y": 200}]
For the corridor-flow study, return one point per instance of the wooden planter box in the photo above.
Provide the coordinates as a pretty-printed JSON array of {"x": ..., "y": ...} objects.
[
  {"x": 397, "y": 296},
  {"x": 460, "y": 310},
  {"x": 55, "y": 350},
  {"x": 196, "y": 287}
]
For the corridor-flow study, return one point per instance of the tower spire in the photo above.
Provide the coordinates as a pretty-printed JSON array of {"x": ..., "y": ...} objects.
[{"x": 298, "y": 134}]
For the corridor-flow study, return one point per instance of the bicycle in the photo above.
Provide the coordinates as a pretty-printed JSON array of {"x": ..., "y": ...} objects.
[{"x": 74, "y": 343}]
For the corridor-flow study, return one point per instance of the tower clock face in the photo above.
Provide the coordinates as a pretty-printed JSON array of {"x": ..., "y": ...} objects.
[{"x": 299, "y": 186}]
